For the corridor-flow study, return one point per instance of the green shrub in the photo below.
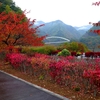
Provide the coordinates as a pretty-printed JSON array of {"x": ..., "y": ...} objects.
[
  {"x": 25, "y": 49},
  {"x": 78, "y": 53},
  {"x": 40, "y": 50},
  {"x": 47, "y": 49},
  {"x": 64, "y": 52},
  {"x": 44, "y": 49}
]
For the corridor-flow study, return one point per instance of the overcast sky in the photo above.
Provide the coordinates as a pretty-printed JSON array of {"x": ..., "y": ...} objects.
[{"x": 71, "y": 12}]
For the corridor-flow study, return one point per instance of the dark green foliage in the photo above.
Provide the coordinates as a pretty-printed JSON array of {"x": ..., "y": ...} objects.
[{"x": 11, "y": 4}]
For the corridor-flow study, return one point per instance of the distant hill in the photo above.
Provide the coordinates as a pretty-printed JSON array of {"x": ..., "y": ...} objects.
[
  {"x": 89, "y": 33},
  {"x": 59, "y": 28},
  {"x": 83, "y": 29},
  {"x": 39, "y": 23},
  {"x": 91, "y": 39}
]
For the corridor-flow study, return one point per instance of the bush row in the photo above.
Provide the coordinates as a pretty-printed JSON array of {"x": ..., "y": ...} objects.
[
  {"x": 51, "y": 50},
  {"x": 92, "y": 54},
  {"x": 79, "y": 75}
]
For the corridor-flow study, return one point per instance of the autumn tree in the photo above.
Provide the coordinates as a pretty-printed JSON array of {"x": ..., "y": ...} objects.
[
  {"x": 97, "y": 25},
  {"x": 16, "y": 29},
  {"x": 97, "y": 31}
]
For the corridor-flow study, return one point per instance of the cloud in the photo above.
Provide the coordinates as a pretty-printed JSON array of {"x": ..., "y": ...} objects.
[{"x": 72, "y": 12}]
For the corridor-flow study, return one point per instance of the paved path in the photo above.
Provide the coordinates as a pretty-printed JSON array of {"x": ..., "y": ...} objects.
[{"x": 12, "y": 88}]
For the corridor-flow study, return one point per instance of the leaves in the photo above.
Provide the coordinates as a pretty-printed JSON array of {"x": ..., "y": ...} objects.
[
  {"x": 96, "y": 3},
  {"x": 16, "y": 29},
  {"x": 98, "y": 23},
  {"x": 79, "y": 75}
]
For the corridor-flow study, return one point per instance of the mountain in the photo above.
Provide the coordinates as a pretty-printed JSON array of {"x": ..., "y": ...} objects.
[
  {"x": 59, "y": 28},
  {"x": 91, "y": 39},
  {"x": 39, "y": 23},
  {"x": 83, "y": 29},
  {"x": 89, "y": 33}
]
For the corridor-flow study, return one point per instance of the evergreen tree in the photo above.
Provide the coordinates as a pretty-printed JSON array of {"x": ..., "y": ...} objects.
[{"x": 5, "y": 4}]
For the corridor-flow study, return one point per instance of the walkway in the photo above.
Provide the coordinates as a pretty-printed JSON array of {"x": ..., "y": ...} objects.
[{"x": 12, "y": 88}]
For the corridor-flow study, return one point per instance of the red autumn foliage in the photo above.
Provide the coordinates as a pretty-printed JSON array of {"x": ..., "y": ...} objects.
[
  {"x": 95, "y": 24},
  {"x": 96, "y": 3},
  {"x": 92, "y": 54},
  {"x": 73, "y": 53},
  {"x": 16, "y": 29},
  {"x": 66, "y": 71}
]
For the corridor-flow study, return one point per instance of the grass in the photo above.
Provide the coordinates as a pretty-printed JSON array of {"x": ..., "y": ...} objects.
[{"x": 48, "y": 84}]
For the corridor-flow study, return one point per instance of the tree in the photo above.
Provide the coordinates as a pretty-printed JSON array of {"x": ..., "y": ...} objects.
[
  {"x": 98, "y": 23},
  {"x": 16, "y": 29},
  {"x": 8, "y": 9},
  {"x": 74, "y": 47},
  {"x": 11, "y": 4}
]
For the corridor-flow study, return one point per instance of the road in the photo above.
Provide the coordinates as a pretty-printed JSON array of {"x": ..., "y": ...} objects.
[{"x": 12, "y": 88}]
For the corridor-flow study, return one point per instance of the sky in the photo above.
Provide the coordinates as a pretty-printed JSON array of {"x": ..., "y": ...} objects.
[{"x": 71, "y": 12}]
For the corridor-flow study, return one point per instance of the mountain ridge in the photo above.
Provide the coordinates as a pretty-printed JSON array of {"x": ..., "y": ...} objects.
[{"x": 59, "y": 28}]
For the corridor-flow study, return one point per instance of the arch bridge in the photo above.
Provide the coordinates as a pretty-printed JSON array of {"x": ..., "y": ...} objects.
[{"x": 56, "y": 37}]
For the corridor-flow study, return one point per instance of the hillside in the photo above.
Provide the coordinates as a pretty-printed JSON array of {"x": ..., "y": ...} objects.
[
  {"x": 59, "y": 28},
  {"x": 83, "y": 29},
  {"x": 91, "y": 39}
]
